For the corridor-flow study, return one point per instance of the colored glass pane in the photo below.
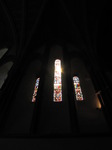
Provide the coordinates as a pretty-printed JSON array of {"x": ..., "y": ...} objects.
[
  {"x": 78, "y": 92},
  {"x": 57, "y": 81},
  {"x": 35, "y": 90}
]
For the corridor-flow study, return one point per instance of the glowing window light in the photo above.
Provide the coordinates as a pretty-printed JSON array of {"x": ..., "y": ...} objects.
[
  {"x": 35, "y": 90},
  {"x": 57, "y": 97},
  {"x": 78, "y": 92}
]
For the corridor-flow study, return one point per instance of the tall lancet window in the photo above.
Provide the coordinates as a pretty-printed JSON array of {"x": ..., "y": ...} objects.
[
  {"x": 78, "y": 92},
  {"x": 57, "y": 97},
  {"x": 35, "y": 90}
]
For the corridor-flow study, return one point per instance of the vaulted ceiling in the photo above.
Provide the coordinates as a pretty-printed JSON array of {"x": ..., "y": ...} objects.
[{"x": 27, "y": 24}]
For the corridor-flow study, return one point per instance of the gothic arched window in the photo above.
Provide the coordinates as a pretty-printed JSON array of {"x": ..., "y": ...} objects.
[
  {"x": 78, "y": 92},
  {"x": 57, "y": 97},
  {"x": 35, "y": 90}
]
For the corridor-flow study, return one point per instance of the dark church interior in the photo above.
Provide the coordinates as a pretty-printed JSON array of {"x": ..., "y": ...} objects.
[{"x": 33, "y": 35}]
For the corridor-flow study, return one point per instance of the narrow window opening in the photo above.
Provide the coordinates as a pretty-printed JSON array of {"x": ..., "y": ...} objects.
[
  {"x": 35, "y": 90},
  {"x": 78, "y": 91},
  {"x": 57, "y": 97}
]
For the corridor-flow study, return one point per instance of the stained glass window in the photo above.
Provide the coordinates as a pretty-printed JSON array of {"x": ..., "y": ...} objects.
[
  {"x": 57, "y": 81},
  {"x": 35, "y": 90},
  {"x": 78, "y": 92}
]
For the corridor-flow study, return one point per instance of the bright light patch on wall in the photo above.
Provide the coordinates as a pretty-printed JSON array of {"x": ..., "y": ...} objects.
[
  {"x": 78, "y": 92},
  {"x": 99, "y": 97},
  {"x": 57, "y": 97},
  {"x": 35, "y": 90},
  {"x": 3, "y": 51},
  {"x": 98, "y": 104},
  {"x": 4, "y": 69}
]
